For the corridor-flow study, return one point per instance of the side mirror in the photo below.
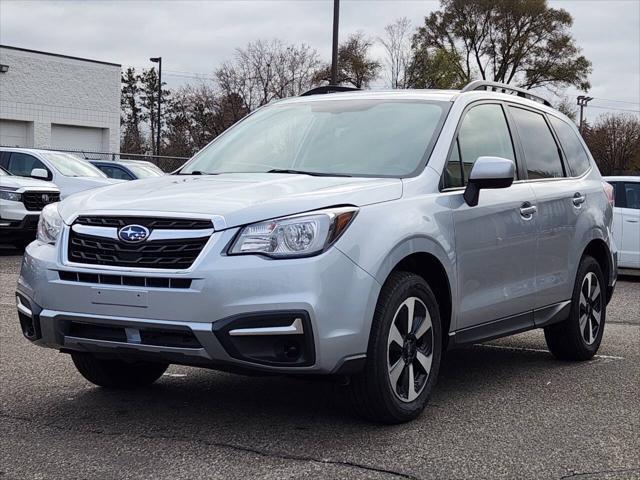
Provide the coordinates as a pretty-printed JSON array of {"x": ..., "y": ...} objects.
[
  {"x": 40, "y": 173},
  {"x": 488, "y": 172}
]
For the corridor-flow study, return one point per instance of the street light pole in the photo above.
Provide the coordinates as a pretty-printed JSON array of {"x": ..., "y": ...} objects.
[
  {"x": 334, "y": 52},
  {"x": 582, "y": 102},
  {"x": 158, "y": 60}
]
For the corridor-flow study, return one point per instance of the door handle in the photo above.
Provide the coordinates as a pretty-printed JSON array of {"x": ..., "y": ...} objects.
[
  {"x": 578, "y": 199},
  {"x": 629, "y": 220},
  {"x": 527, "y": 210}
]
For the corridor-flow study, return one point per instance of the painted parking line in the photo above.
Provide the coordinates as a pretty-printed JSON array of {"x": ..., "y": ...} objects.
[{"x": 537, "y": 350}]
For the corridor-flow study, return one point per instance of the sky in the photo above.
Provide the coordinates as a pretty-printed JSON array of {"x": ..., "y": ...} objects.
[{"x": 193, "y": 37}]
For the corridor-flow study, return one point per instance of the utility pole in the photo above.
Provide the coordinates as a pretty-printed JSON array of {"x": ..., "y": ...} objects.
[
  {"x": 158, "y": 60},
  {"x": 582, "y": 102},
  {"x": 334, "y": 52}
]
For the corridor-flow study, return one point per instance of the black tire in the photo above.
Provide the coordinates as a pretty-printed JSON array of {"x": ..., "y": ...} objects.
[
  {"x": 566, "y": 340},
  {"x": 372, "y": 394},
  {"x": 117, "y": 373}
]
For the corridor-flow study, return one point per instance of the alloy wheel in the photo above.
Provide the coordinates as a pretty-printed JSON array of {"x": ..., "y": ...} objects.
[
  {"x": 590, "y": 308},
  {"x": 410, "y": 349}
]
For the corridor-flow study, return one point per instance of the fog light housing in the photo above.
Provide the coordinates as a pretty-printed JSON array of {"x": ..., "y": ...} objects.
[{"x": 282, "y": 339}]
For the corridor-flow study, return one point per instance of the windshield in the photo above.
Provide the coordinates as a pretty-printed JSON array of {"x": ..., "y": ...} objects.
[
  {"x": 144, "y": 171},
  {"x": 369, "y": 137},
  {"x": 71, "y": 166}
]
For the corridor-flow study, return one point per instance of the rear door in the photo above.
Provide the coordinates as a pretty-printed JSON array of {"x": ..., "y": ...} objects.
[
  {"x": 561, "y": 200},
  {"x": 629, "y": 216},
  {"x": 495, "y": 243}
]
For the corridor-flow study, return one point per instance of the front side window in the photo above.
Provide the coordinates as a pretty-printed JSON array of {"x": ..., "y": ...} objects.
[
  {"x": 22, "y": 164},
  {"x": 71, "y": 166},
  {"x": 483, "y": 132},
  {"x": 368, "y": 137},
  {"x": 540, "y": 149},
  {"x": 577, "y": 158}
]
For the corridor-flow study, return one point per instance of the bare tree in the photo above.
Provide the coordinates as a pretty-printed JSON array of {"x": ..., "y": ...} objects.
[
  {"x": 614, "y": 142},
  {"x": 397, "y": 44},
  {"x": 267, "y": 70},
  {"x": 355, "y": 66}
]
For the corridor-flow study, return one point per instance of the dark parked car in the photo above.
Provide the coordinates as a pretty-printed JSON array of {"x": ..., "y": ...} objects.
[{"x": 128, "y": 169}]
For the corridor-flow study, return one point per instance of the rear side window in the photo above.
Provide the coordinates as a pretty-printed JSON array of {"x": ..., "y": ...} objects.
[
  {"x": 632, "y": 195},
  {"x": 114, "y": 172},
  {"x": 577, "y": 158},
  {"x": 22, "y": 164},
  {"x": 540, "y": 148},
  {"x": 483, "y": 132}
]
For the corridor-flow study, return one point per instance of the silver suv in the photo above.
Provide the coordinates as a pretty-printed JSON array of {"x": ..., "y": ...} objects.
[{"x": 353, "y": 234}]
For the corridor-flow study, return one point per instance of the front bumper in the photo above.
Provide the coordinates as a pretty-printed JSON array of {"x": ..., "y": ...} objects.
[
  {"x": 332, "y": 297},
  {"x": 25, "y": 227}
]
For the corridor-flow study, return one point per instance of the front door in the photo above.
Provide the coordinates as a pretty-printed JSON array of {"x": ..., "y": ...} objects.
[{"x": 495, "y": 240}]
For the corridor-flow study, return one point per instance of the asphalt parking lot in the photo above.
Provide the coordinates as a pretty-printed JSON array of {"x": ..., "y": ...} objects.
[{"x": 502, "y": 410}]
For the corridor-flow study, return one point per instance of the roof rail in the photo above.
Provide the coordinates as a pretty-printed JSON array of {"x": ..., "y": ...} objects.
[
  {"x": 327, "y": 89},
  {"x": 504, "y": 88}
]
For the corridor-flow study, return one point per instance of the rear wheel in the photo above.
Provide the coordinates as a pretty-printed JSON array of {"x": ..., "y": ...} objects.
[
  {"x": 579, "y": 337},
  {"x": 404, "y": 352},
  {"x": 117, "y": 373}
]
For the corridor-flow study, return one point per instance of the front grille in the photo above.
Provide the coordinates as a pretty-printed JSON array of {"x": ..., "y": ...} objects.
[
  {"x": 174, "y": 253},
  {"x": 35, "y": 201},
  {"x": 130, "y": 281},
  {"x": 150, "y": 223}
]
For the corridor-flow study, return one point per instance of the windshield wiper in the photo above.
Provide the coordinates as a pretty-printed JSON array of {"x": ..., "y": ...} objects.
[
  {"x": 302, "y": 172},
  {"x": 197, "y": 172}
]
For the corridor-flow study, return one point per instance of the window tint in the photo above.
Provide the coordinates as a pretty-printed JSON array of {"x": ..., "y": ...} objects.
[
  {"x": 632, "y": 195},
  {"x": 114, "y": 172},
  {"x": 577, "y": 158},
  {"x": 484, "y": 132},
  {"x": 540, "y": 149},
  {"x": 22, "y": 164}
]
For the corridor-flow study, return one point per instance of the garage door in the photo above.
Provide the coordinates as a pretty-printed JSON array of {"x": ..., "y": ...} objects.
[
  {"x": 66, "y": 137},
  {"x": 13, "y": 133}
]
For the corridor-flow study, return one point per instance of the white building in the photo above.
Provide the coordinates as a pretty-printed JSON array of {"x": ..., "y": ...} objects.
[{"x": 56, "y": 101}]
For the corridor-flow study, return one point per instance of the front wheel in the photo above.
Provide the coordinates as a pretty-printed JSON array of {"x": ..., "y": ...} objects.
[
  {"x": 579, "y": 337},
  {"x": 117, "y": 373},
  {"x": 404, "y": 352}
]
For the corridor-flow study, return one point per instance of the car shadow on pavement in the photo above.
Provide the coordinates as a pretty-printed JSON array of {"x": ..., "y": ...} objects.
[{"x": 190, "y": 402}]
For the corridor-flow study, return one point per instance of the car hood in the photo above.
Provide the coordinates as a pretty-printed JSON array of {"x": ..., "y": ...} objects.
[
  {"x": 79, "y": 184},
  {"x": 238, "y": 197},
  {"x": 13, "y": 181}
]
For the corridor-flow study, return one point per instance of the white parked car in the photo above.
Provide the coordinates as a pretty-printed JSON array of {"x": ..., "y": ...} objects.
[
  {"x": 626, "y": 220},
  {"x": 21, "y": 200},
  {"x": 70, "y": 173}
]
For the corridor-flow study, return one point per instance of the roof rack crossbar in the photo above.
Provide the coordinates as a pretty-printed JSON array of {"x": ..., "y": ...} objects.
[
  {"x": 328, "y": 89},
  {"x": 504, "y": 88}
]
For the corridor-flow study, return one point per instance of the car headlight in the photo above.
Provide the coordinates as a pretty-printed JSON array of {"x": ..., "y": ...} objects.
[
  {"x": 49, "y": 224},
  {"x": 11, "y": 196},
  {"x": 295, "y": 236}
]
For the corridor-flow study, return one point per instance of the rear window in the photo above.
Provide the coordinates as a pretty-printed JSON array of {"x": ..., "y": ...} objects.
[
  {"x": 540, "y": 148},
  {"x": 577, "y": 158}
]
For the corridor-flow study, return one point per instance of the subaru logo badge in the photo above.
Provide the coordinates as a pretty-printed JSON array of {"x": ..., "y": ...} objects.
[{"x": 133, "y": 233}]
